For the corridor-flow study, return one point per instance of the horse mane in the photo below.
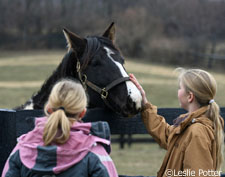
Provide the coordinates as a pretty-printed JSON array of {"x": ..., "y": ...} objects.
[{"x": 66, "y": 69}]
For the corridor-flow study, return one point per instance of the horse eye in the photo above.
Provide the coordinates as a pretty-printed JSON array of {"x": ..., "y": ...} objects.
[{"x": 95, "y": 63}]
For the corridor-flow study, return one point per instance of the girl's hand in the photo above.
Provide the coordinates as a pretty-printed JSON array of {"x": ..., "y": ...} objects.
[{"x": 135, "y": 81}]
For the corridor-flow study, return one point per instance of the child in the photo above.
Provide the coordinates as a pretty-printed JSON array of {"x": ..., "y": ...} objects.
[
  {"x": 60, "y": 144},
  {"x": 195, "y": 142}
]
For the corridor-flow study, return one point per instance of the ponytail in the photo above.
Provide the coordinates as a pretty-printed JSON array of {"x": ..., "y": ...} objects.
[
  {"x": 214, "y": 114},
  {"x": 56, "y": 121}
]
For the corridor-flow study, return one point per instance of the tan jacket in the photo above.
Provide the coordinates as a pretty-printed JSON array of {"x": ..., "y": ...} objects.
[{"x": 191, "y": 148}]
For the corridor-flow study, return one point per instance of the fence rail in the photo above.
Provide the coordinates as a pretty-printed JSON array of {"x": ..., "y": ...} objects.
[{"x": 15, "y": 123}]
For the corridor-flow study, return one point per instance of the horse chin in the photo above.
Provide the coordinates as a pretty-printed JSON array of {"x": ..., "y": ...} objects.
[
  {"x": 125, "y": 110},
  {"x": 128, "y": 113}
]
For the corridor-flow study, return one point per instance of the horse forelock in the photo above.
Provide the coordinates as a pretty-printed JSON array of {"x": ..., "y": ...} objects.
[
  {"x": 94, "y": 43},
  {"x": 92, "y": 47}
]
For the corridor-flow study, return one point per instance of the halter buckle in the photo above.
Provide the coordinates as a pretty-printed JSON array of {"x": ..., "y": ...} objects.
[
  {"x": 83, "y": 78},
  {"x": 78, "y": 66},
  {"x": 104, "y": 93}
]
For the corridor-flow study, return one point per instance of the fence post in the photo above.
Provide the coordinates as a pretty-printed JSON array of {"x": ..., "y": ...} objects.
[
  {"x": 122, "y": 141},
  {"x": 7, "y": 135}
]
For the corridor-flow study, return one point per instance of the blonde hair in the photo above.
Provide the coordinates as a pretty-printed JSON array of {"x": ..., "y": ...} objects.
[
  {"x": 66, "y": 98},
  {"x": 203, "y": 86}
]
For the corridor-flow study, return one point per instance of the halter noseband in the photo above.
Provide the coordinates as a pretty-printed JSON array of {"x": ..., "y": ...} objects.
[{"x": 92, "y": 47}]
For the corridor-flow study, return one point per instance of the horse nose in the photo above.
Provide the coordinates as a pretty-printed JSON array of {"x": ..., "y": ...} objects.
[
  {"x": 130, "y": 102},
  {"x": 132, "y": 107}
]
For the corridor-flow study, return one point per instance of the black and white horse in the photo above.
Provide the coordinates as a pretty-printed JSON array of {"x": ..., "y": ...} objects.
[{"x": 98, "y": 65}]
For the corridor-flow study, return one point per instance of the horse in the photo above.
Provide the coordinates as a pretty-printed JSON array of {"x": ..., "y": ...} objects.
[{"x": 98, "y": 65}]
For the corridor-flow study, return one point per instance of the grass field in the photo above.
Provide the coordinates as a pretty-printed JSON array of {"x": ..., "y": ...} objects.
[{"x": 22, "y": 73}]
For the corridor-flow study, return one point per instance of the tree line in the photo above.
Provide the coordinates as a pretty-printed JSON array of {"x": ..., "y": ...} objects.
[{"x": 176, "y": 32}]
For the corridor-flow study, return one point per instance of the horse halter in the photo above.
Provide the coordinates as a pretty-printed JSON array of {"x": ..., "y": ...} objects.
[{"x": 92, "y": 47}]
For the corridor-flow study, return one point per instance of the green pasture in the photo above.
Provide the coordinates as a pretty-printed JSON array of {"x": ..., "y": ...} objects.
[{"x": 23, "y": 72}]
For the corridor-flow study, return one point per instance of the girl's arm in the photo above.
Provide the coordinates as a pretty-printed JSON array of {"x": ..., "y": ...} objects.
[{"x": 154, "y": 123}]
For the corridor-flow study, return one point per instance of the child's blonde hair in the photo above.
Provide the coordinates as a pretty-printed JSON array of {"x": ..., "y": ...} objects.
[
  {"x": 203, "y": 86},
  {"x": 67, "y": 99}
]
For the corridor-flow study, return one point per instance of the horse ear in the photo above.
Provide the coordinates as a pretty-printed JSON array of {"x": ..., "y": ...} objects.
[
  {"x": 74, "y": 41},
  {"x": 110, "y": 32}
]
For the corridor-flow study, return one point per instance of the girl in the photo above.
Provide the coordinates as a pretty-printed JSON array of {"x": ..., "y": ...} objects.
[
  {"x": 60, "y": 144},
  {"x": 195, "y": 142}
]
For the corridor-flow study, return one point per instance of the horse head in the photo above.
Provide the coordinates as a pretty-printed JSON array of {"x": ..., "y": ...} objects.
[{"x": 98, "y": 64}]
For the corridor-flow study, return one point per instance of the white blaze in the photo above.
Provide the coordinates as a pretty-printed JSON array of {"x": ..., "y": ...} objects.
[{"x": 131, "y": 88}]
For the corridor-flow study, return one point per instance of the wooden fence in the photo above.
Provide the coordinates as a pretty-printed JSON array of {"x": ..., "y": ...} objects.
[{"x": 15, "y": 123}]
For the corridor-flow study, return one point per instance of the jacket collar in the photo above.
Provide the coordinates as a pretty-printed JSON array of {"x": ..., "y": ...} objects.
[{"x": 196, "y": 116}]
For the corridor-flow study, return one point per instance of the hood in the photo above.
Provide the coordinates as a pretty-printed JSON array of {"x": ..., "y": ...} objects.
[{"x": 57, "y": 158}]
